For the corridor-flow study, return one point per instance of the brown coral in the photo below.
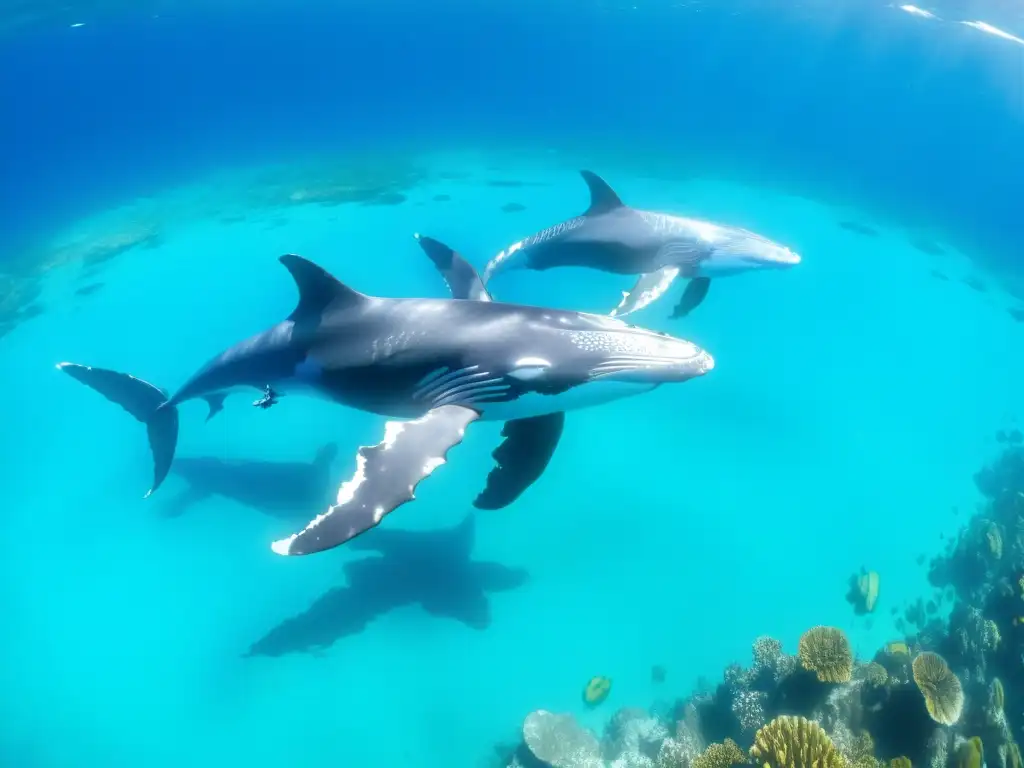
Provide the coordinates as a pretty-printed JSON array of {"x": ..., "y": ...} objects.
[
  {"x": 795, "y": 742},
  {"x": 873, "y": 674},
  {"x": 971, "y": 754},
  {"x": 899, "y": 762},
  {"x": 826, "y": 652},
  {"x": 998, "y": 695},
  {"x": 720, "y": 756},
  {"x": 943, "y": 694}
]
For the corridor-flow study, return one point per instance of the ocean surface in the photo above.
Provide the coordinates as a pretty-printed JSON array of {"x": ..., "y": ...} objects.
[{"x": 157, "y": 159}]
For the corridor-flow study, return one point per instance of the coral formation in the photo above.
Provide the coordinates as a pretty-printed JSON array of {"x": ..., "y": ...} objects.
[
  {"x": 596, "y": 690},
  {"x": 863, "y": 592},
  {"x": 795, "y": 742},
  {"x": 557, "y": 741},
  {"x": 826, "y": 652},
  {"x": 722, "y": 755},
  {"x": 943, "y": 694}
]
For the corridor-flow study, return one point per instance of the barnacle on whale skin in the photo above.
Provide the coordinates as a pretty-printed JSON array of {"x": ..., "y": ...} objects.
[
  {"x": 826, "y": 652},
  {"x": 943, "y": 694},
  {"x": 795, "y": 742}
]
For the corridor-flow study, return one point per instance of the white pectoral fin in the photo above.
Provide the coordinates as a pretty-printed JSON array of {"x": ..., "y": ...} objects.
[
  {"x": 647, "y": 289},
  {"x": 386, "y": 477}
]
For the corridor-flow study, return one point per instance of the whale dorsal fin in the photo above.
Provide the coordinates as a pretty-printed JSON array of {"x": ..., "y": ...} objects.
[
  {"x": 602, "y": 197},
  {"x": 318, "y": 288}
]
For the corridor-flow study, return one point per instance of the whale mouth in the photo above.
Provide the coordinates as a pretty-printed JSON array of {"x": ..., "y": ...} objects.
[{"x": 654, "y": 368}]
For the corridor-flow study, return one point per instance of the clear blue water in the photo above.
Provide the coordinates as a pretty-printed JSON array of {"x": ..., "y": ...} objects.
[{"x": 853, "y": 398}]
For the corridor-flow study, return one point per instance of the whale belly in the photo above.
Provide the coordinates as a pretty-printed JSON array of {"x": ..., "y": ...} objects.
[{"x": 587, "y": 395}]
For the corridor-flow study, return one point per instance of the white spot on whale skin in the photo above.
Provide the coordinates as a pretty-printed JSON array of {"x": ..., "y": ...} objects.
[{"x": 529, "y": 368}]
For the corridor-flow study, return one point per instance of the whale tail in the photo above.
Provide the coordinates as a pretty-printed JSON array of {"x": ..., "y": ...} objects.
[{"x": 147, "y": 403}]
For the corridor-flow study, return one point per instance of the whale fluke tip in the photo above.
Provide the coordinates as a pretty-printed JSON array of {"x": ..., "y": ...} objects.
[{"x": 283, "y": 546}]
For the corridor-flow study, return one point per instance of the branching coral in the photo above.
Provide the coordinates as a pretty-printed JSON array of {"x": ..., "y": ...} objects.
[
  {"x": 873, "y": 674},
  {"x": 795, "y": 742},
  {"x": 826, "y": 652},
  {"x": 943, "y": 694},
  {"x": 720, "y": 756}
]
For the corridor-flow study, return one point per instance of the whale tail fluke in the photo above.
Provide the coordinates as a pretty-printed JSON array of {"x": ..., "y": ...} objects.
[{"x": 145, "y": 402}]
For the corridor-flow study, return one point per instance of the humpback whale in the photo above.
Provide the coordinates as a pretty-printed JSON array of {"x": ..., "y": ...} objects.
[
  {"x": 433, "y": 367},
  {"x": 612, "y": 237}
]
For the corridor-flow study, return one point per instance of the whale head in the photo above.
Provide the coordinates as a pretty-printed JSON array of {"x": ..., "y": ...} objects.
[
  {"x": 735, "y": 250},
  {"x": 560, "y": 361}
]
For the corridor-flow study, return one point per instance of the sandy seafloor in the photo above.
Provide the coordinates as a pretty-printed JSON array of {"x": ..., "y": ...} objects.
[{"x": 852, "y": 400}]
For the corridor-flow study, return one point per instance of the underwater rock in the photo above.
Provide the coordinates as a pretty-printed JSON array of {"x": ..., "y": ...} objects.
[
  {"x": 558, "y": 741},
  {"x": 512, "y": 208},
  {"x": 88, "y": 290},
  {"x": 975, "y": 283},
  {"x": 930, "y": 247},
  {"x": 860, "y": 229},
  {"x": 633, "y": 732}
]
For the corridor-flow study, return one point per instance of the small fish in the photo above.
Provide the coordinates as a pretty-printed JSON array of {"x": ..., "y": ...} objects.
[{"x": 658, "y": 674}]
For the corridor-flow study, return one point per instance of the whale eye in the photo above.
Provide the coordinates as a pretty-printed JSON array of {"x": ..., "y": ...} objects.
[{"x": 528, "y": 368}]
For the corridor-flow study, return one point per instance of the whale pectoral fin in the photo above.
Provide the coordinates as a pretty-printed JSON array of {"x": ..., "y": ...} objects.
[
  {"x": 522, "y": 458},
  {"x": 386, "y": 477},
  {"x": 694, "y": 294},
  {"x": 647, "y": 289},
  {"x": 462, "y": 278},
  {"x": 216, "y": 403}
]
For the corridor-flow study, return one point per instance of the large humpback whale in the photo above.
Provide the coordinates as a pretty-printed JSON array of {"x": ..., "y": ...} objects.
[
  {"x": 612, "y": 237},
  {"x": 433, "y": 366}
]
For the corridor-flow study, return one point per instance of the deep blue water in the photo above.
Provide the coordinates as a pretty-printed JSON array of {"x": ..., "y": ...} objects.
[{"x": 854, "y": 101}]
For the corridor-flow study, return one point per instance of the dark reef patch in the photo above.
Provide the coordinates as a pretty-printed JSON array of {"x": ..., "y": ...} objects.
[
  {"x": 89, "y": 290},
  {"x": 512, "y": 208},
  {"x": 975, "y": 283},
  {"x": 859, "y": 228},
  {"x": 387, "y": 198},
  {"x": 930, "y": 247}
]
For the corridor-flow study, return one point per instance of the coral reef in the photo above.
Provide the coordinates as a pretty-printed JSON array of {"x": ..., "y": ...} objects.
[
  {"x": 945, "y": 694},
  {"x": 795, "y": 742},
  {"x": 826, "y": 652}
]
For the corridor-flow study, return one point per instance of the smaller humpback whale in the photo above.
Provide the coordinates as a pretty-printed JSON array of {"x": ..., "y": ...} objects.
[
  {"x": 432, "y": 366},
  {"x": 433, "y": 569},
  {"x": 612, "y": 237},
  {"x": 286, "y": 490}
]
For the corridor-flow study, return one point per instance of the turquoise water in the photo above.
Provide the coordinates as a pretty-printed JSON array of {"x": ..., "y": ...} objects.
[{"x": 852, "y": 401}]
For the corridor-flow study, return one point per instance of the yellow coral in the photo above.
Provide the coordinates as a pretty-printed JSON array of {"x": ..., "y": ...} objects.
[
  {"x": 900, "y": 762},
  {"x": 720, "y": 756},
  {"x": 795, "y": 742},
  {"x": 1012, "y": 755},
  {"x": 873, "y": 673},
  {"x": 995, "y": 540},
  {"x": 998, "y": 695},
  {"x": 826, "y": 652},
  {"x": 897, "y": 648},
  {"x": 971, "y": 754},
  {"x": 943, "y": 694}
]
